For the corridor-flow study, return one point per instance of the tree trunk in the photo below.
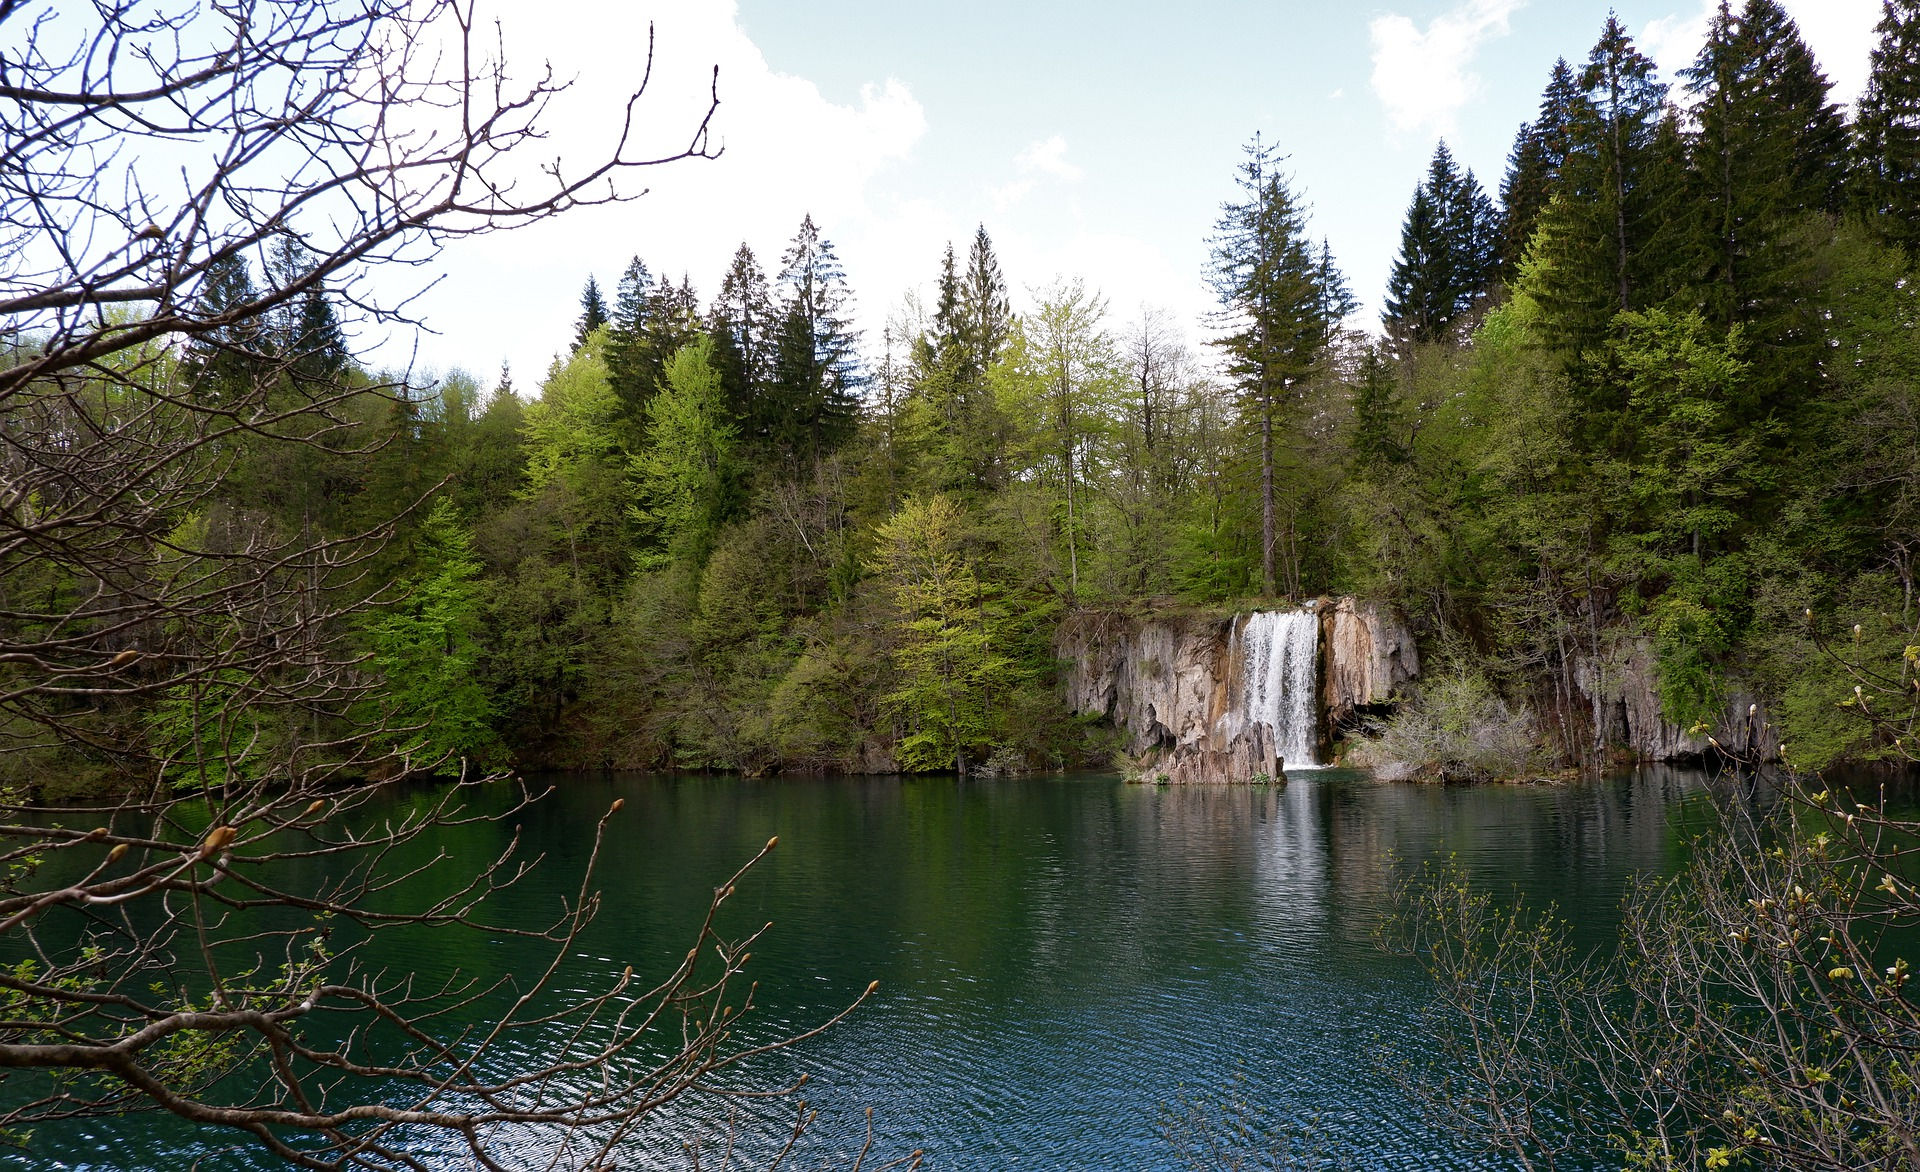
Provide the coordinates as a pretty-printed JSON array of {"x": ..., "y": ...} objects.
[{"x": 1267, "y": 581}]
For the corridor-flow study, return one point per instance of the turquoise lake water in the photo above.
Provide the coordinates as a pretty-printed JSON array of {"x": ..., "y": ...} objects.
[{"x": 1057, "y": 957}]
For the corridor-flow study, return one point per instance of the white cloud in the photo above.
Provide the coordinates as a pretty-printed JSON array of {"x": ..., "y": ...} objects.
[
  {"x": 1422, "y": 78},
  {"x": 1675, "y": 39},
  {"x": 1840, "y": 33},
  {"x": 787, "y": 150},
  {"x": 1044, "y": 158},
  {"x": 1048, "y": 157}
]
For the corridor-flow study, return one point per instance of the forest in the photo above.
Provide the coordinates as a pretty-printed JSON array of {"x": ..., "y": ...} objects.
[
  {"x": 1659, "y": 391},
  {"x": 292, "y": 646}
]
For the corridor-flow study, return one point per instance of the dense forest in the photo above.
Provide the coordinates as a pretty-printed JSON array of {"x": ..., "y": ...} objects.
[{"x": 1662, "y": 388}]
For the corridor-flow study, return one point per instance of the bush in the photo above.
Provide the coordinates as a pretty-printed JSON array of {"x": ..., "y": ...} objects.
[{"x": 1457, "y": 729}]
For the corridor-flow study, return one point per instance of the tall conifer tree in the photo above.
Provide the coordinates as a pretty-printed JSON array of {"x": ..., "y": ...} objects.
[
  {"x": 1448, "y": 254},
  {"x": 744, "y": 325},
  {"x": 1594, "y": 249},
  {"x": 593, "y": 313},
  {"x": 630, "y": 375},
  {"x": 1273, "y": 308},
  {"x": 1533, "y": 167},
  {"x": 1887, "y": 132},
  {"x": 987, "y": 314},
  {"x": 816, "y": 371}
]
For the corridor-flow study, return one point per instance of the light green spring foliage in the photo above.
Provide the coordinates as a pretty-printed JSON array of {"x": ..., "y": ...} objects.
[
  {"x": 681, "y": 473},
  {"x": 213, "y": 731},
  {"x": 426, "y": 648},
  {"x": 955, "y": 655},
  {"x": 570, "y": 428}
]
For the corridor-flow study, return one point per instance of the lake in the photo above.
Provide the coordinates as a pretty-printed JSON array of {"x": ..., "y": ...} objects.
[{"x": 1057, "y": 957}]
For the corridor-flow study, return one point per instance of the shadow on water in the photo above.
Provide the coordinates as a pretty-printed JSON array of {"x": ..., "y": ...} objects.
[{"x": 1056, "y": 956}]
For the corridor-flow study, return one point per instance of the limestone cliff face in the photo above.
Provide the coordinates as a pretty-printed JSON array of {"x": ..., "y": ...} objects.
[
  {"x": 1162, "y": 679},
  {"x": 1367, "y": 657},
  {"x": 1171, "y": 680},
  {"x": 1623, "y": 690}
]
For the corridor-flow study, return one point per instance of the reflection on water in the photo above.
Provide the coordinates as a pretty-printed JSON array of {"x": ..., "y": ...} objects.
[{"x": 1057, "y": 957}]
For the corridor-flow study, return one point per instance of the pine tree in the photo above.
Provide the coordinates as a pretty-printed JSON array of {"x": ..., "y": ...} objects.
[
  {"x": 816, "y": 371},
  {"x": 1613, "y": 133},
  {"x": 322, "y": 354},
  {"x": 1273, "y": 307},
  {"x": 1887, "y": 133},
  {"x": 1769, "y": 150},
  {"x": 948, "y": 327},
  {"x": 1419, "y": 300},
  {"x": 628, "y": 372},
  {"x": 1337, "y": 301},
  {"x": 593, "y": 313},
  {"x": 1448, "y": 254},
  {"x": 229, "y": 356},
  {"x": 1768, "y": 147},
  {"x": 1377, "y": 423},
  {"x": 1533, "y": 167},
  {"x": 1594, "y": 249},
  {"x": 986, "y": 313},
  {"x": 743, "y": 324}
]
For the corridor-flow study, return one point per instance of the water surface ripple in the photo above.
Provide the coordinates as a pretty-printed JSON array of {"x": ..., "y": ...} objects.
[{"x": 1057, "y": 957}]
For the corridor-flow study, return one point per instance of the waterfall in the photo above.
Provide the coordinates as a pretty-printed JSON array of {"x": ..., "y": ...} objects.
[{"x": 1280, "y": 652}]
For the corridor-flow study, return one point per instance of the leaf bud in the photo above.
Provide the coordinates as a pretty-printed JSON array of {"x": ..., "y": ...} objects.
[{"x": 217, "y": 840}]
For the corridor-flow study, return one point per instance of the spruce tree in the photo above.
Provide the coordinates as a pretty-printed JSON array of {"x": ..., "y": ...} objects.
[
  {"x": 593, "y": 313},
  {"x": 987, "y": 314},
  {"x": 1419, "y": 301},
  {"x": 1273, "y": 307},
  {"x": 628, "y": 371},
  {"x": 1377, "y": 424},
  {"x": 1887, "y": 132},
  {"x": 743, "y": 323},
  {"x": 1594, "y": 248},
  {"x": 1533, "y": 167},
  {"x": 227, "y": 357},
  {"x": 816, "y": 371},
  {"x": 1448, "y": 254},
  {"x": 1769, "y": 150}
]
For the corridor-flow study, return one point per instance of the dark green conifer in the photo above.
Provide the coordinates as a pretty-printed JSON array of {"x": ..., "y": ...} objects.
[
  {"x": 1533, "y": 167},
  {"x": 593, "y": 313},
  {"x": 1887, "y": 132},
  {"x": 1448, "y": 254},
  {"x": 987, "y": 314},
  {"x": 1769, "y": 150},
  {"x": 1273, "y": 307},
  {"x": 816, "y": 371},
  {"x": 743, "y": 323},
  {"x": 628, "y": 371},
  {"x": 1593, "y": 248}
]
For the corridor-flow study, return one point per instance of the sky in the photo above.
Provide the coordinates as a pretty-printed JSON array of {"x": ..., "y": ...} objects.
[{"x": 1092, "y": 138}]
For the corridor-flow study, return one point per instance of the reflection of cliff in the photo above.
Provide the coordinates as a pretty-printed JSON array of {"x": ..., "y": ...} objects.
[
  {"x": 1211, "y": 698},
  {"x": 1580, "y": 846}
]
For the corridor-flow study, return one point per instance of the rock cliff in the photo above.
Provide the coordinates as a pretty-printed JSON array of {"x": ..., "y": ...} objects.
[
  {"x": 1368, "y": 656},
  {"x": 1174, "y": 682},
  {"x": 1623, "y": 689}
]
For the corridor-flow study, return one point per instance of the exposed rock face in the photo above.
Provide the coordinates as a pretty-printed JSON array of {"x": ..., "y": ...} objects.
[
  {"x": 1623, "y": 689},
  {"x": 1162, "y": 679},
  {"x": 1367, "y": 655},
  {"x": 1171, "y": 681}
]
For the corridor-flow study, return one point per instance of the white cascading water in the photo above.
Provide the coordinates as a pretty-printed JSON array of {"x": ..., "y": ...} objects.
[{"x": 1280, "y": 658}]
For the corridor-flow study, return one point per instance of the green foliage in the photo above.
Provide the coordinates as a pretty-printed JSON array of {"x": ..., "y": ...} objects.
[
  {"x": 956, "y": 654},
  {"x": 208, "y": 734},
  {"x": 683, "y": 473},
  {"x": 426, "y": 648}
]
